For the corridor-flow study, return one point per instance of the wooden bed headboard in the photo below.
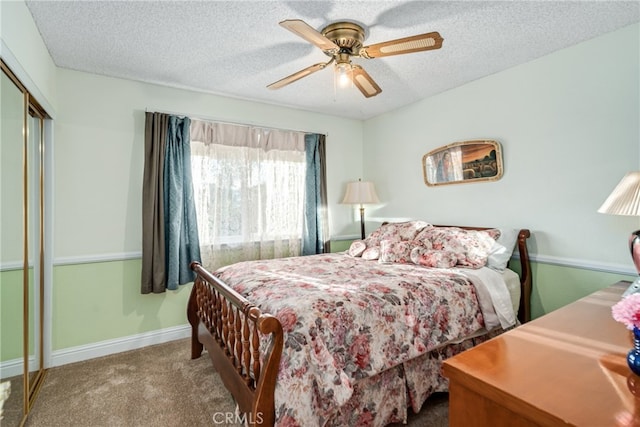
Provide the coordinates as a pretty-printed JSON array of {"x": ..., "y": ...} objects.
[{"x": 524, "y": 311}]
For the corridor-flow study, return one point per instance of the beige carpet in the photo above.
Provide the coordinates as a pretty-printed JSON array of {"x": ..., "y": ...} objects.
[
  {"x": 12, "y": 408},
  {"x": 155, "y": 386}
]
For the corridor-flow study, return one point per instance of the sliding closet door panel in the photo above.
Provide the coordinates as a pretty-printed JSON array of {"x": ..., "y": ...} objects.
[
  {"x": 21, "y": 248},
  {"x": 12, "y": 112},
  {"x": 34, "y": 178}
]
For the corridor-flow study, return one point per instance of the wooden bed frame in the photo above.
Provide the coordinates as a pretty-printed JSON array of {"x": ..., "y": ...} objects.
[{"x": 229, "y": 327}]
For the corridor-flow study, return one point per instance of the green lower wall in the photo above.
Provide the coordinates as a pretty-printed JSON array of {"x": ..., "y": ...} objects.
[
  {"x": 11, "y": 314},
  {"x": 340, "y": 245},
  {"x": 556, "y": 286},
  {"x": 102, "y": 301},
  {"x": 11, "y": 319}
]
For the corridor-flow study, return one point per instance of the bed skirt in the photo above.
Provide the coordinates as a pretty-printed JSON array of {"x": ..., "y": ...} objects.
[{"x": 386, "y": 397}]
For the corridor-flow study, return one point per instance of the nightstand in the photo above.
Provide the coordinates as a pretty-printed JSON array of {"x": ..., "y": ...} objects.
[{"x": 565, "y": 368}]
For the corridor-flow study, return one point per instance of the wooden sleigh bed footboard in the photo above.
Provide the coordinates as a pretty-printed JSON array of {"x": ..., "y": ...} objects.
[{"x": 229, "y": 327}]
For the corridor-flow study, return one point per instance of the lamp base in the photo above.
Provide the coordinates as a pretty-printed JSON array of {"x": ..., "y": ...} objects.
[
  {"x": 634, "y": 248},
  {"x": 633, "y": 288}
]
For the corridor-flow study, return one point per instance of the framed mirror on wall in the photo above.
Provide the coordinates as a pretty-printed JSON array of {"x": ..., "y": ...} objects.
[
  {"x": 22, "y": 285},
  {"x": 463, "y": 162}
]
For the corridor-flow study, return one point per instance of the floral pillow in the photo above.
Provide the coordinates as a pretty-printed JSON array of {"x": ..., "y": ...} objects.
[
  {"x": 395, "y": 231},
  {"x": 426, "y": 257},
  {"x": 371, "y": 254},
  {"x": 395, "y": 251},
  {"x": 471, "y": 247},
  {"x": 357, "y": 248}
]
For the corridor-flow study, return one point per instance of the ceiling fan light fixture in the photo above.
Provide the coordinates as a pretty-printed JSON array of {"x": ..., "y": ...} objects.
[{"x": 343, "y": 74}]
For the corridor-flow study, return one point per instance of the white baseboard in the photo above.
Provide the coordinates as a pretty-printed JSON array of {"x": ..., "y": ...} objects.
[
  {"x": 105, "y": 348},
  {"x": 13, "y": 367}
]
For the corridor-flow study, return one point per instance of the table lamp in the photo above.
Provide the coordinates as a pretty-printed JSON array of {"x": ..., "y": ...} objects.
[
  {"x": 625, "y": 200},
  {"x": 360, "y": 193}
]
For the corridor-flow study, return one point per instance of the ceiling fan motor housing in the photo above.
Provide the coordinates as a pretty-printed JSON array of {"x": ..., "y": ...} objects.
[{"x": 345, "y": 35}]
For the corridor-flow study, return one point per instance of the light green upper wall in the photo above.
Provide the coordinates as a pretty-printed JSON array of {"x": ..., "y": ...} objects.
[
  {"x": 98, "y": 161},
  {"x": 569, "y": 125}
]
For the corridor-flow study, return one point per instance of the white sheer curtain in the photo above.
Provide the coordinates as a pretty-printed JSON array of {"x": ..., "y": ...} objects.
[{"x": 249, "y": 189}]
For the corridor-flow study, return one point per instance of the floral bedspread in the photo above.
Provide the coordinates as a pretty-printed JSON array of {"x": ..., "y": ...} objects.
[{"x": 346, "y": 319}]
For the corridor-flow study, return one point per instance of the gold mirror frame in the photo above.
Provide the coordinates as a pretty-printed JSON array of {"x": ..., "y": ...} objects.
[{"x": 463, "y": 162}]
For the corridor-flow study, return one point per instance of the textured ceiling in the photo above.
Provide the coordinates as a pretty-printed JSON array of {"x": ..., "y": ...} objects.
[{"x": 237, "y": 48}]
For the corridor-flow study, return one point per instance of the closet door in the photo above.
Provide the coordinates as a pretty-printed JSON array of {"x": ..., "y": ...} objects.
[
  {"x": 21, "y": 249},
  {"x": 12, "y": 260}
]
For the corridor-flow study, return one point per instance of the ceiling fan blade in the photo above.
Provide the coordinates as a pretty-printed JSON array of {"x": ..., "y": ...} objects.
[
  {"x": 297, "y": 76},
  {"x": 364, "y": 82},
  {"x": 304, "y": 30},
  {"x": 419, "y": 43}
]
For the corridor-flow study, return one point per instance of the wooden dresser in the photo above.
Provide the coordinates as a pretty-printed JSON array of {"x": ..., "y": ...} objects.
[{"x": 565, "y": 368}]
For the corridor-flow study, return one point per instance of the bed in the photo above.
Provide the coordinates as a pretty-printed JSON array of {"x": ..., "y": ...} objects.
[{"x": 356, "y": 338}]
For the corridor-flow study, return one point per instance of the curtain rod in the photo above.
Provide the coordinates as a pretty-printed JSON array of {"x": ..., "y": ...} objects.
[{"x": 213, "y": 119}]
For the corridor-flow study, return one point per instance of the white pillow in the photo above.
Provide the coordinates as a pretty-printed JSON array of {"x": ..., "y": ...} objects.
[{"x": 502, "y": 249}]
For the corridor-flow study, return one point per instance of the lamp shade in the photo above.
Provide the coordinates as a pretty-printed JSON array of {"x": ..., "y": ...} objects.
[
  {"x": 360, "y": 192},
  {"x": 625, "y": 198}
]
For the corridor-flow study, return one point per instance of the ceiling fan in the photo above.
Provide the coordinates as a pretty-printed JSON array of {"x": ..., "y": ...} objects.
[{"x": 344, "y": 40}]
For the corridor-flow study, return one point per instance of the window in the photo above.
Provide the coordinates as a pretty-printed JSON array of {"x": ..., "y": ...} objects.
[{"x": 249, "y": 186}]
